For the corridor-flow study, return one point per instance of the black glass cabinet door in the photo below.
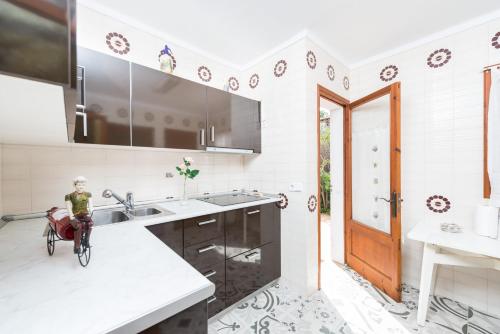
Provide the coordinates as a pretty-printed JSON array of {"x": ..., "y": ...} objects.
[
  {"x": 167, "y": 111},
  {"x": 104, "y": 91}
]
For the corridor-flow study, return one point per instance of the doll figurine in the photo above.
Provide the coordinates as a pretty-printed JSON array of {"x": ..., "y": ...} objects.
[
  {"x": 166, "y": 60},
  {"x": 79, "y": 206}
]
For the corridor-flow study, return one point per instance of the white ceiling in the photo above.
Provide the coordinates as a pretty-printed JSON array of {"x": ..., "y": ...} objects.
[{"x": 239, "y": 32}]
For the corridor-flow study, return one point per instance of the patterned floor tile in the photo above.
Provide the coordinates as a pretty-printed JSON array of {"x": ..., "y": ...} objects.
[{"x": 281, "y": 308}]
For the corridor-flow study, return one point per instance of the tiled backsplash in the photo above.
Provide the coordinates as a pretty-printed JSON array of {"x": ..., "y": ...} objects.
[{"x": 36, "y": 178}]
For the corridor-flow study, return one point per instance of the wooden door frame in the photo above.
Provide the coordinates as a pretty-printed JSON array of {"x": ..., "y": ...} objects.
[
  {"x": 393, "y": 91},
  {"x": 325, "y": 93}
]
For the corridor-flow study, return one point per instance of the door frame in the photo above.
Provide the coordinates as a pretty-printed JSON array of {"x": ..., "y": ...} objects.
[
  {"x": 392, "y": 288},
  {"x": 325, "y": 93}
]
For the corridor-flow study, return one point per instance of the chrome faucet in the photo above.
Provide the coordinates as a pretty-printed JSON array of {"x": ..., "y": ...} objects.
[{"x": 128, "y": 203}]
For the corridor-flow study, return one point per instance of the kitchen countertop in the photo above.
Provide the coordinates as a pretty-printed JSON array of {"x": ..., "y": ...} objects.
[{"x": 132, "y": 282}]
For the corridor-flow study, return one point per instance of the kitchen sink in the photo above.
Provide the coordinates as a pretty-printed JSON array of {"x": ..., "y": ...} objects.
[
  {"x": 141, "y": 212},
  {"x": 105, "y": 217}
]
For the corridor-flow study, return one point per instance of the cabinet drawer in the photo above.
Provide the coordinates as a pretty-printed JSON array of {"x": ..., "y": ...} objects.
[
  {"x": 203, "y": 228},
  {"x": 205, "y": 254},
  {"x": 217, "y": 275},
  {"x": 250, "y": 271},
  {"x": 170, "y": 233},
  {"x": 248, "y": 228}
]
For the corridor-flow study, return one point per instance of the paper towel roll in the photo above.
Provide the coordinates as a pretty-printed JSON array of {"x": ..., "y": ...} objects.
[{"x": 486, "y": 222}]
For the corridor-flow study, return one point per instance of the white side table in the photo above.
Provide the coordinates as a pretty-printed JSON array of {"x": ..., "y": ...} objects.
[{"x": 465, "y": 249}]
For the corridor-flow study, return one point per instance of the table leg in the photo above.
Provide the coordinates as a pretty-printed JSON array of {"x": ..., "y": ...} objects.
[{"x": 426, "y": 279}]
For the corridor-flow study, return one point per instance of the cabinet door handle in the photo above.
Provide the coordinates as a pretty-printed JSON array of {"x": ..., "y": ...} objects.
[
  {"x": 211, "y": 299},
  {"x": 84, "y": 115},
  {"x": 207, "y": 222},
  {"x": 80, "y": 108},
  {"x": 209, "y": 273},
  {"x": 202, "y": 137},
  {"x": 251, "y": 255},
  {"x": 206, "y": 248},
  {"x": 253, "y": 212},
  {"x": 212, "y": 133}
]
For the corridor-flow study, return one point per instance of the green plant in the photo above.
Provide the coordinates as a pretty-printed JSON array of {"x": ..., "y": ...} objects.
[
  {"x": 185, "y": 170},
  {"x": 325, "y": 178}
]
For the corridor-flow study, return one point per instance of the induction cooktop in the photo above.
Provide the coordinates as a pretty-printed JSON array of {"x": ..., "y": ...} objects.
[{"x": 231, "y": 199}]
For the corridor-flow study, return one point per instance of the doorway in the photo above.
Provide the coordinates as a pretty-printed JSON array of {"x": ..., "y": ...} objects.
[
  {"x": 331, "y": 111},
  {"x": 361, "y": 174}
]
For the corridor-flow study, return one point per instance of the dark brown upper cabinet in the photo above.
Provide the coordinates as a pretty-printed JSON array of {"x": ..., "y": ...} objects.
[
  {"x": 104, "y": 99},
  {"x": 37, "y": 40},
  {"x": 233, "y": 121},
  {"x": 167, "y": 111}
]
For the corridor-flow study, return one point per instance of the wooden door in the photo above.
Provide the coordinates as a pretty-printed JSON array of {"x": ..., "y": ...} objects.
[{"x": 373, "y": 189}]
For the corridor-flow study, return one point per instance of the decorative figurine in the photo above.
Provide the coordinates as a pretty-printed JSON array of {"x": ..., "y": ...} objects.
[
  {"x": 79, "y": 205},
  {"x": 167, "y": 60}
]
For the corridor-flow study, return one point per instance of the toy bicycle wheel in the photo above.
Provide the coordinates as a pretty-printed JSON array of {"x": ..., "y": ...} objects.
[
  {"x": 51, "y": 241},
  {"x": 84, "y": 254}
]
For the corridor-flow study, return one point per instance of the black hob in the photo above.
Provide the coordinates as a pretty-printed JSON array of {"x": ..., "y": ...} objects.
[{"x": 231, "y": 199}]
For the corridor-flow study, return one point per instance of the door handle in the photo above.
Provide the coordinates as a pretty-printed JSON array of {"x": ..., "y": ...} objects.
[
  {"x": 253, "y": 212},
  {"x": 211, "y": 299},
  {"x": 212, "y": 133},
  {"x": 202, "y": 137},
  {"x": 209, "y": 273},
  {"x": 251, "y": 255},
  {"x": 206, "y": 249},
  {"x": 395, "y": 202},
  {"x": 80, "y": 108},
  {"x": 207, "y": 222},
  {"x": 84, "y": 115}
]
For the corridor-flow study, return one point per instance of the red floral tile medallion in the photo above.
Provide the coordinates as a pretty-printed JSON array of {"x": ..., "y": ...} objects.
[
  {"x": 311, "y": 60},
  {"x": 204, "y": 73},
  {"x": 284, "y": 201},
  {"x": 438, "y": 204},
  {"x": 118, "y": 43},
  {"x": 388, "y": 73},
  {"x": 439, "y": 58},
  {"x": 280, "y": 68},
  {"x": 494, "y": 41},
  {"x": 346, "y": 83},
  {"x": 312, "y": 203},
  {"x": 254, "y": 80},
  {"x": 233, "y": 83},
  {"x": 330, "y": 71}
]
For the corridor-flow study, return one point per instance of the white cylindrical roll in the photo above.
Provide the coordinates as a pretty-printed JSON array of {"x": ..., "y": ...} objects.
[{"x": 486, "y": 222}]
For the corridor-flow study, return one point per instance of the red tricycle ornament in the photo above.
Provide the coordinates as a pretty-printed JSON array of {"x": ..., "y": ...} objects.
[{"x": 73, "y": 223}]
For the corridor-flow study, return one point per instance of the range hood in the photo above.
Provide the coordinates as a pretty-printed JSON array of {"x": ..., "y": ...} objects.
[{"x": 38, "y": 43}]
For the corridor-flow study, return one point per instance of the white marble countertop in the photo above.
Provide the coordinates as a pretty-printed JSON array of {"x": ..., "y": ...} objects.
[
  {"x": 132, "y": 282},
  {"x": 467, "y": 240}
]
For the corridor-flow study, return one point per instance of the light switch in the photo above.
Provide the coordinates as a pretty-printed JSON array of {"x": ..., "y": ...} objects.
[{"x": 296, "y": 187}]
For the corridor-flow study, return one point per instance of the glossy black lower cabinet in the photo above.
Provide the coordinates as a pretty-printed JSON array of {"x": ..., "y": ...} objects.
[
  {"x": 250, "y": 271},
  {"x": 217, "y": 275},
  {"x": 171, "y": 233},
  {"x": 193, "y": 320},
  {"x": 249, "y": 228},
  {"x": 205, "y": 253}
]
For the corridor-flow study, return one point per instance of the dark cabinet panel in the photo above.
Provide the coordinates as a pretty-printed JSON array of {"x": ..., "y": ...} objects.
[
  {"x": 203, "y": 228},
  {"x": 37, "y": 39},
  {"x": 172, "y": 108},
  {"x": 249, "y": 228},
  {"x": 171, "y": 234},
  {"x": 250, "y": 271},
  {"x": 104, "y": 88},
  {"x": 217, "y": 275},
  {"x": 205, "y": 254},
  {"x": 193, "y": 320},
  {"x": 233, "y": 121}
]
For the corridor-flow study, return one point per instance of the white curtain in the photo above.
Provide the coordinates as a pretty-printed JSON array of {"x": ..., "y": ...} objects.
[{"x": 494, "y": 138}]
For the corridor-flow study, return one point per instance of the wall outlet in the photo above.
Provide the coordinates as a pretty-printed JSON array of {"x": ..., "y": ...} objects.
[{"x": 295, "y": 187}]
